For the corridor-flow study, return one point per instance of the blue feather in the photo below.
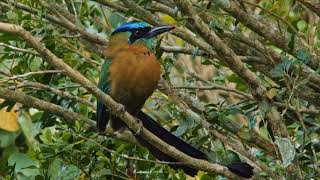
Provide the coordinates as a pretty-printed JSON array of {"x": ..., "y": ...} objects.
[{"x": 128, "y": 26}]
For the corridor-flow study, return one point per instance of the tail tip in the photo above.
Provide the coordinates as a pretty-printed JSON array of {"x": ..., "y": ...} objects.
[{"x": 242, "y": 169}]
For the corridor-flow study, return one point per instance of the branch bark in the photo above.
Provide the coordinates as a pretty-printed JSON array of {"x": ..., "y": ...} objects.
[
  {"x": 30, "y": 101},
  {"x": 312, "y": 4}
]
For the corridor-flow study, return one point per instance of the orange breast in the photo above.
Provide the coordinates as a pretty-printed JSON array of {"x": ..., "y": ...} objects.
[{"x": 133, "y": 74}]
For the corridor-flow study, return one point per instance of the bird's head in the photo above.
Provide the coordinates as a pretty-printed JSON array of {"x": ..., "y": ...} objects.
[{"x": 137, "y": 30}]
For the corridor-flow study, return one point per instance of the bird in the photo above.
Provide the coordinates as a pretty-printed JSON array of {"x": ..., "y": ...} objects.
[{"x": 130, "y": 74}]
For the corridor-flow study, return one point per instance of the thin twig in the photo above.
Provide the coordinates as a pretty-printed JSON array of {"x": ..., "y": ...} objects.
[
  {"x": 31, "y": 73},
  {"x": 215, "y": 87},
  {"x": 18, "y": 49},
  {"x": 60, "y": 93},
  {"x": 275, "y": 15}
]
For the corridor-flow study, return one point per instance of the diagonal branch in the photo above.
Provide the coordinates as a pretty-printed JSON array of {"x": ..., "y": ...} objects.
[
  {"x": 57, "y": 92},
  {"x": 30, "y": 101},
  {"x": 312, "y": 4}
]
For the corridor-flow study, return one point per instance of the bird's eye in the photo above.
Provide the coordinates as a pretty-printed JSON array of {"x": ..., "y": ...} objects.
[{"x": 137, "y": 33}]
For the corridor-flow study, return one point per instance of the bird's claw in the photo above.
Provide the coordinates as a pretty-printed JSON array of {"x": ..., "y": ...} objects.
[
  {"x": 140, "y": 127},
  {"x": 120, "y": 109}
]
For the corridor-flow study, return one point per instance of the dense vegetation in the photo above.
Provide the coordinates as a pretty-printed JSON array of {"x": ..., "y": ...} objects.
[{"x": 240, "y": 81}]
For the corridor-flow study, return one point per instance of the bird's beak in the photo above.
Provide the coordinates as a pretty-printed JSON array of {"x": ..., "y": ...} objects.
[{"x": 158, "y": 30}]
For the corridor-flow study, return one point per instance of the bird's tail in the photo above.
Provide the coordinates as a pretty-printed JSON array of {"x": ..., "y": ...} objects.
[
  {"x": 170, "y": 139},
  {"x": 242, "y": 169}
]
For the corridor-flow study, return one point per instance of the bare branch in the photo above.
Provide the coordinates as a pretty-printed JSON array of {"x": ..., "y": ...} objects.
[
  {"x": 57, "y": 92},
  {"x": 30, "y": 101},
  {"x": 312, "y": 4},
  {"x": 215, "y": 87},
  {"x": 18, "y": 49},
  {"x": 30, "y": 74}
]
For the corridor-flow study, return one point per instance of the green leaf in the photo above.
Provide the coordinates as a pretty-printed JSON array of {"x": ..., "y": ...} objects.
[
  {"x": 70, "y": 172},
  {"x": 57, "y": 170},
  {"x": 54, "y": 170},
  {"x": 272, "y": 93},
  {"x": 303, "y": 56},
  {"x": 29, "y": 130},
  {"x": 23, "y": 165},
  {"x": 7, "y": 138},
  {"x": 184, "y": 126},
  {"x": 292, "y": 43},
  {"x": 5, "y": 154},
  {"x": 11, "y": 15},
  {"x": 203, "y": 176},
  {"x": 286, "y": 149},
  {"x": 286, "y": 63},
  {"x": 118, "y": 150},
  {"x": 223, "y": 3},
  {"x": 252, "y": 122},
  {"x": 302, "y": 25},
  {"x": 233, "y": 111},
  {"x": 233, "y": 157},
  {"x": 240, "y": 85},
  {"x": 206, "y": 61},
  {"x": 281, "y": 69},
  {"x": 46, "y": 135}
]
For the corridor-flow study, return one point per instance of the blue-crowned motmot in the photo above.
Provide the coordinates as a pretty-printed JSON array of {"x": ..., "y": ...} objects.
[{"x": 129, "y": 75}]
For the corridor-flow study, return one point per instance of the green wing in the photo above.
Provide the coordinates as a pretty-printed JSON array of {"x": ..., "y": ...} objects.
[{"x": 104, "y": 85}]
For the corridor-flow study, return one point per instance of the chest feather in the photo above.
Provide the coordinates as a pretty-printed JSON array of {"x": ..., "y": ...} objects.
[{"x": 133, "y": 75}]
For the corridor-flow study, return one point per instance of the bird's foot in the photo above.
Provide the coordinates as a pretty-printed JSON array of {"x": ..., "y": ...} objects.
[
  {"x": 120, "y": 110},
  {"x": 140, "y": 126},
  {"x": 121, "y": 130}
]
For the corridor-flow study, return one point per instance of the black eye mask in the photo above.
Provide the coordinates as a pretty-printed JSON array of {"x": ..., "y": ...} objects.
[{"x": 138, "y": 33}]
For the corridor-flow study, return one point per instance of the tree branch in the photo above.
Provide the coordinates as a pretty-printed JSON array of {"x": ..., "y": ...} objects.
[
  {"x": 30, "y": 74},
  {"x": 312, "y": 4},
  {"x": 57, "y": 92},
  {"x": 30, "y": 101},
  {"x": 215, "y": 87},
  {"x": 18, "y": 49}
]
